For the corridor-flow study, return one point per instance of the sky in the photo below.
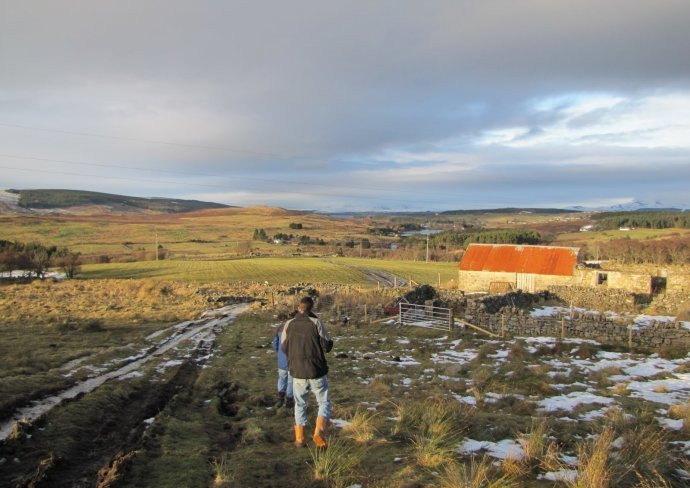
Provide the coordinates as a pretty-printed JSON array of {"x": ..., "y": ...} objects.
[{"x": 352, "y": 105}]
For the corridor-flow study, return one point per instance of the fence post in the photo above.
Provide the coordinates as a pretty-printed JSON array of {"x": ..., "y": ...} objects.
[
  {"x": 378, "y": 286},
  {"x": 395, "y": 281},
  {"x": 562, "y": 327},
  {"x": 439, "y": 280},
  {"x": 503, "y": 325},
  {"x": 630, "y": 336},
  {"x": 365, "y": 313},
  {"x": 273, "y": 300},
  {"x": 409, "y": 281},
  {"x": 400, "y": 314}
]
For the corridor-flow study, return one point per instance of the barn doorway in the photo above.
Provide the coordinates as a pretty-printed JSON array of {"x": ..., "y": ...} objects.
[
  {"x": 526, "y": 282},
  {"x": 658, "y": 284}
]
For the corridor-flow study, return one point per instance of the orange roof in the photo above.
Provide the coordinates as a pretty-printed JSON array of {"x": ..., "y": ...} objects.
[{"x": 520, "y": 259}]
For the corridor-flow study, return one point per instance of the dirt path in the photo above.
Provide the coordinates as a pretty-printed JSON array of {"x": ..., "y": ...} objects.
[
  {"x": 185, "y": 331},
  {"x": 86, "y": 442},
  {"x": 385, "y": 278}
]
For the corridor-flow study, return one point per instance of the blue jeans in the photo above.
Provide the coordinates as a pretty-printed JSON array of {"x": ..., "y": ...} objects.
[
  {"x": 301, "y": 388},
  {"x": 284, "y": 382}
]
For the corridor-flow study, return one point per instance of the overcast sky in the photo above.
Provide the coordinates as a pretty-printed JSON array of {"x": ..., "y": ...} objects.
[{"x": 353, "y": 105}]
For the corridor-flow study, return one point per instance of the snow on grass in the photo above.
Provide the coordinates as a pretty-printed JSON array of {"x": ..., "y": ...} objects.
[
  {"x": 563, "y": 475},
  {"x": 670, "y": 424},
  {"x": 133, "y": 374},
  {"x": 571, "y": 400},
  {"x": 454, "y": 357},
  {"x": 469, "y": 400},
  {"x": 667, "y": 391},
  {"x": 340, "y": 423},
  {"x": 499, "y": 450}
]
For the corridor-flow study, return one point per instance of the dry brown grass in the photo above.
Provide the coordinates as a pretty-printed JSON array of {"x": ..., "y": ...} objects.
[
  {"x": 681, "y": 411},
  {"x": 475, "y": 474},
  {"x": 594, "y": 470},
  {"x": 363, "y": 426}
]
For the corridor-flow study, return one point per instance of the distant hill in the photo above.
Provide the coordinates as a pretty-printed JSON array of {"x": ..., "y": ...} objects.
[
  {"x": 501, "y": 211},
  {"x": 65, "y": 199}
]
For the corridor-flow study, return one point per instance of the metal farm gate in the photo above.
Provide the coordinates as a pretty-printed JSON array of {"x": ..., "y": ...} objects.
[{"x": 425, "y": 316}]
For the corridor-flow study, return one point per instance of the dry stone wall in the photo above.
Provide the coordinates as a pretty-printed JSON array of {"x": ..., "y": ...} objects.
[{"x": 597, "y": 327}]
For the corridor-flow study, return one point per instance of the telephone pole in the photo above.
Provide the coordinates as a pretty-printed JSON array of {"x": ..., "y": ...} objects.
[{"x": 427, "y": 248}]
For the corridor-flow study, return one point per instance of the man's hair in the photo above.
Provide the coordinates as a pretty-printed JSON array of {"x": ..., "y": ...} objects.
[{"x": 307, "y": 303}]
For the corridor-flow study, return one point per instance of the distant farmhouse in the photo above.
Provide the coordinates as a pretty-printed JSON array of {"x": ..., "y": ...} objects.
[{"x": 498, "y": 268}]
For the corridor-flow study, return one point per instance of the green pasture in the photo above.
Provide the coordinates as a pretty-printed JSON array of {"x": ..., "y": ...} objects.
[
  {"x": 609, "y": 235},
  {"x": 273, "y": 270}
]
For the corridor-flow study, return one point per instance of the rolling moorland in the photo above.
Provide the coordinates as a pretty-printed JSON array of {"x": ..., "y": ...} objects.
[{"x": 157, "y": 391}]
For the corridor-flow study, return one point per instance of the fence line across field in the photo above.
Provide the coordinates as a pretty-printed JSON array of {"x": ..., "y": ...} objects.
[{"x": 425, "y": 316}]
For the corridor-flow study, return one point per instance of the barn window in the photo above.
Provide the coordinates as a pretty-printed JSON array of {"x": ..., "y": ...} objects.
[{"x": 602, "y": 278}]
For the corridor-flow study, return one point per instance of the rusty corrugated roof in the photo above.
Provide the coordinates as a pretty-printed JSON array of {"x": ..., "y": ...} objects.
[{"x": 544, "y": 260}]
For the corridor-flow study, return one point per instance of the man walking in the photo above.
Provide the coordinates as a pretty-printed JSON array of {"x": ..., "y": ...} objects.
[{"x": 305, "y": 341}]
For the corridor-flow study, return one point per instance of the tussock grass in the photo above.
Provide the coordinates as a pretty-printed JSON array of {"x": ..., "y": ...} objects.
[
  {"x": 620, "y": 389},
  {"x": 222, "y": 470},
  {"x": 594, "y": 470},
  {"x": 681, "y": 411},
  {"x": 363, "y": 426},
  {"x": 644, "y": 455},
  {"x": 337, "y": 463},
  {"x": 518, "y": 352},
  {"x": 475, "y": 474},
  {"x": 534, "y": 447}
]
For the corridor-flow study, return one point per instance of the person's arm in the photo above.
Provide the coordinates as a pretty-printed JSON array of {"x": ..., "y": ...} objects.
[
  {"x": 283, "y": 338},
  {"x": 275, "y": 342},
  {"x": 324, "y": 337}
]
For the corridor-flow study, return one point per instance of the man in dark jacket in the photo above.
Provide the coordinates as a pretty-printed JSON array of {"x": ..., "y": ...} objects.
[{"x": 305, "y": 341}]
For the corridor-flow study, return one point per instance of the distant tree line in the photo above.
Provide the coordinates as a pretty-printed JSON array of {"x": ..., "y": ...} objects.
[
  {"x": 453, "y": 238},
  {"x": 633, "y": 251},
  {"x": 33, "y": 259},
  {"x": 645, "y": 220}
]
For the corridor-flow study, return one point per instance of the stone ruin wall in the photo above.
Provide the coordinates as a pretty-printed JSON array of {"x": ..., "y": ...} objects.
[{"x": 514, "y": 321}]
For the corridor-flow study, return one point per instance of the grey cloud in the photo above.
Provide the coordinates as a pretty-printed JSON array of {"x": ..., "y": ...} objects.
[{"x": 273, "y": 87}]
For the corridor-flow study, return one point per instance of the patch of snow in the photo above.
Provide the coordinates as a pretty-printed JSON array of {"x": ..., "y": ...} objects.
[
  {"x": 569, "y": 460},
  {"x": 499, "y": 450},
  {"x": 564, "y": 475},
  {"x": 149, "y": 420},
  {"x": 571, "y": 400},
  {"x": 470, "y": 400},
  {"x": 402, "y": 341},
  {"x": 454, "y": 357},
  {"x": 667, "y": 391},
  {"x": 340, "y": 423},
  {"x": 133, "y": 374},
  {"x": 671, "y": 424}
]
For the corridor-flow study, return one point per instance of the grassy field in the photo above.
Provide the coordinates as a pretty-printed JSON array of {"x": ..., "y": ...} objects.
[
  {"x": 417, "y": 408},
  {"x": 589, "y": 238},
  {"x": 202, "y": 232},
  {"x": 274, "y": 270}
]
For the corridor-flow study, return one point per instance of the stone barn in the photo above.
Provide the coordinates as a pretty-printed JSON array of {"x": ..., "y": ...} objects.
[{"x": 499, "y": 268}]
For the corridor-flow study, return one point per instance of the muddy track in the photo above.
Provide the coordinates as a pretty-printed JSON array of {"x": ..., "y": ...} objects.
[
  {"x": 90, "y": 440},
  {"x": 385, "y": 278},
  {"x": 74, "y": 457},
  {"x": 185, "y": 331}
]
